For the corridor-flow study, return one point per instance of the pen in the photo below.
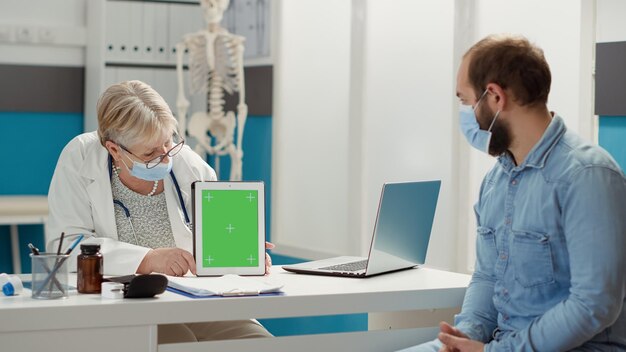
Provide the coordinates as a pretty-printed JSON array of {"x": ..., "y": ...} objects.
[
  {"x": 78, "y": 239},
  {"x": 58, "y": 265},
  {"x": 60, "y": 243},
  {"x": 35, "y": 251},
  {"x": 58, "y": 253}
]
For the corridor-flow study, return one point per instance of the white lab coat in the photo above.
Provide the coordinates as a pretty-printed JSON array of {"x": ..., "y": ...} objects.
[{"x": 80, "y": 201}]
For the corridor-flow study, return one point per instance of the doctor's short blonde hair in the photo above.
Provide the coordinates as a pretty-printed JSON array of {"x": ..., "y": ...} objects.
[{"x": 132, "y": 112}]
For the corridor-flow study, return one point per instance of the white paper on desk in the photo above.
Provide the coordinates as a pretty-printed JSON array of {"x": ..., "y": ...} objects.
[{"x": 233, "y": 285}]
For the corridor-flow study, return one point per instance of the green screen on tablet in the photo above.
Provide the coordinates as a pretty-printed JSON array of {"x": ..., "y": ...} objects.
[{"x": 230, "y": 228}]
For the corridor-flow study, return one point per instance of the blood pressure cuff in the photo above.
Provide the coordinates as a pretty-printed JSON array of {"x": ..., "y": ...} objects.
[{"x": 141, "y": 286}]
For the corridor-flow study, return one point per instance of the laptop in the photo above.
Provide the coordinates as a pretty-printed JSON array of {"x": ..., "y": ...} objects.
[{"x": 401, "y": 234}]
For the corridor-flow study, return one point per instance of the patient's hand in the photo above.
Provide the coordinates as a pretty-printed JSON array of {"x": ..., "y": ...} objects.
[
  {"x": 456, "y": 341},
  {"x": 168, "y": 261},
  {"x": 268, "y": 259}
]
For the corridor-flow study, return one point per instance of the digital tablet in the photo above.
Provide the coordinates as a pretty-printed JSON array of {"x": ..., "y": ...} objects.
[{"x": 228, "y": 227}]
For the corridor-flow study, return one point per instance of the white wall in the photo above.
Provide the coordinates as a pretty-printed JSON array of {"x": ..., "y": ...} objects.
[
  {"x": 611, "y": 26},
  {"x": 311, "y": 109},
  {"x": 407, "y": 115},
  {"x": 366, "y": 107}
]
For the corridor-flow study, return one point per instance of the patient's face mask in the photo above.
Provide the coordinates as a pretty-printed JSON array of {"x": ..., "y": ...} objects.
[{"x": 477, "y": 138}]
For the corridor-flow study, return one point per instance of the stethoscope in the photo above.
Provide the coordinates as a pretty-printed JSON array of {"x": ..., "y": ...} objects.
[{"x": 127, "y": 212}]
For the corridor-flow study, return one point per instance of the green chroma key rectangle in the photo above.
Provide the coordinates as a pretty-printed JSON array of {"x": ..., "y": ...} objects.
[{"x": 229, "y": 228}]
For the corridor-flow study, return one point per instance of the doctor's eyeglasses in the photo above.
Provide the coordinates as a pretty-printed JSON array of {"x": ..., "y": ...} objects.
[{"x": 170, "y": 153}]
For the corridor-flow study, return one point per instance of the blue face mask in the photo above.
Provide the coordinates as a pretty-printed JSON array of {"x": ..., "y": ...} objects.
[
  {"x": 140, "y": 170},
  {"x": 470, "y": 128}
]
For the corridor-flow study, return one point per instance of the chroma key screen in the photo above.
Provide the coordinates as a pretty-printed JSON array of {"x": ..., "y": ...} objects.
[{"x": 230, "y": 230}]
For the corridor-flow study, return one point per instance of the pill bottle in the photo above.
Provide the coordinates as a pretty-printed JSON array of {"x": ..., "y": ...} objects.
[{"x": 90, "y": 267}]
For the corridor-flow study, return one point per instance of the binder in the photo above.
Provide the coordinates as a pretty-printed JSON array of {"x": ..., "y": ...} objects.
[
  {"x": 161, "y": 26},
  {"x": 165, "y": 84},
  {"x": 183, "y": 19},
  {"x": 246, "y": 25},
  {"x": 149, "y": 26},
  {"x": 110, "y": 76},
  {"x": 135, "y": 31},
  {"x": 116, "y": 29}
]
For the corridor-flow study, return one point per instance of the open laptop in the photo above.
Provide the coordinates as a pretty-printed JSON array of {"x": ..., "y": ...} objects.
[{"x": 401, "y": 233}]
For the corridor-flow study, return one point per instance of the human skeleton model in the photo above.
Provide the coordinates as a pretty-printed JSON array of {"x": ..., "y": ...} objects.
[{"x": 215, "y": 66}]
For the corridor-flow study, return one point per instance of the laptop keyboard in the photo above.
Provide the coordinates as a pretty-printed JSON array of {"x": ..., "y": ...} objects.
[{"x": 354, "y": 266}]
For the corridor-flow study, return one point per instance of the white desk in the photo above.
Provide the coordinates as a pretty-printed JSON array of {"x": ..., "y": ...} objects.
[
  {"x": 86, "y": 322},
  {"x": 22, "y": 210}
]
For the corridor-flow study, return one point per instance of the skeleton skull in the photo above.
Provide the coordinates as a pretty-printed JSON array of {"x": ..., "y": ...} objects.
[{"x": 214, "y": 10}]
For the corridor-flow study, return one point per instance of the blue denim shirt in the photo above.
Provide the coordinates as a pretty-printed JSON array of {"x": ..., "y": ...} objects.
[{"x": 550, "y": 271}]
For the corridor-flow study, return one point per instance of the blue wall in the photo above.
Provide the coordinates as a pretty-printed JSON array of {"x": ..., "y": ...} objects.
[
  {"x": 31, "y": 144},
  {"x": 612, "y": 137}
]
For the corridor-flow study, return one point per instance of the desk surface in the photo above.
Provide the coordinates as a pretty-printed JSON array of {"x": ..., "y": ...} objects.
[{"x": 304, "y": 295}]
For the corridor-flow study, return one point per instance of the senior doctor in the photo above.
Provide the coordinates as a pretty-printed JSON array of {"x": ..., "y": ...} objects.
[{"x": 129, "y": 185}]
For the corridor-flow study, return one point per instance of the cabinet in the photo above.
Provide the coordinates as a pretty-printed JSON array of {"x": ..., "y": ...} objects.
[{"x": 131, "y": 39}]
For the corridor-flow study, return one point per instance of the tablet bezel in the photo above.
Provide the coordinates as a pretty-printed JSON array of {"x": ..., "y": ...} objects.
[{"x": 196, "y": 191}]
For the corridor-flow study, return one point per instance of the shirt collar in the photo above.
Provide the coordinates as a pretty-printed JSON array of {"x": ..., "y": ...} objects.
[{"x": 538, "y": 155}]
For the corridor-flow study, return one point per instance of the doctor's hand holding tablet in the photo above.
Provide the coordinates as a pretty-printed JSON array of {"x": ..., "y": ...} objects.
[{"x": 177, "y": 262}]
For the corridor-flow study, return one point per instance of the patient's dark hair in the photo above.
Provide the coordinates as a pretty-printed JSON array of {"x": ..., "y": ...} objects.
[{"x": 514, "y": 64}]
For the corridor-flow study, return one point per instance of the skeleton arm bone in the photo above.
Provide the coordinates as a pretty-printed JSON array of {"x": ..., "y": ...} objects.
[
  {"x": 242, "y": 108},
  {"x": 182, "y": 104},
  {"x": 235, "y": 166}
]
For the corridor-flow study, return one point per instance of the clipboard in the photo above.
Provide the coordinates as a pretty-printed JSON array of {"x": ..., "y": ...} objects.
[
  {"x": 224, "y": 286},
  {"x": 189, "y": 295}
]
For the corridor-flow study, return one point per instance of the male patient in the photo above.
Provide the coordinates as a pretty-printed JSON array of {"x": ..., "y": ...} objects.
[{"x": 550, "y": 269}]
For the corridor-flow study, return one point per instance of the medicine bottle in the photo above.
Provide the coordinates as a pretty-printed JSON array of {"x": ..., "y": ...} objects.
[{"x": 90, "y": 267}]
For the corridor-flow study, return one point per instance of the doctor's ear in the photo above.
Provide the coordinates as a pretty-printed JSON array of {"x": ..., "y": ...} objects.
[{"x": 113, "y": 149}]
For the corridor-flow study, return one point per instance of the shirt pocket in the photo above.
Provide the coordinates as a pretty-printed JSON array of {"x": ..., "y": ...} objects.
[
  {"x": 531, "y": 255},
  {"x": 486, "y": 251}
]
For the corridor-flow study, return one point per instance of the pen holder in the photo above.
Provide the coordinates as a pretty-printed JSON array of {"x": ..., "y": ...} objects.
[{"x": 49, "y": 278}]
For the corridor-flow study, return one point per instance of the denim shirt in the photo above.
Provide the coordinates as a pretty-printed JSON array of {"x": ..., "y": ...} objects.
[{"x": 550, "y": 271}]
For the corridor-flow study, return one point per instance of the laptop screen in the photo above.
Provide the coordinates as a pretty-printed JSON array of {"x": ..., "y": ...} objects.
[{"x": 405, "y": 220}]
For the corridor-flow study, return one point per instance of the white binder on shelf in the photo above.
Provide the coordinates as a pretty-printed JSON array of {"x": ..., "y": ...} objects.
[
  {"x": 139, "y": 73},
  {"x": 135, "y": 32},
  {"x": 148, "y": 50},
  {"x": 116, "y": 29},
  {"x": 110, "y": 76},
  {"x": 165, "y": 84},
  {"x": 183, "y": 19},
  {"x": 161, "y": 28}
]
